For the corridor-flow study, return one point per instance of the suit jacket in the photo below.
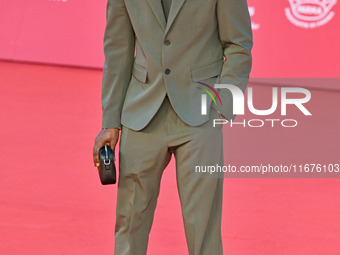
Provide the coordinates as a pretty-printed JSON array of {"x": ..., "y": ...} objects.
[{"x": 206, "y": 41}]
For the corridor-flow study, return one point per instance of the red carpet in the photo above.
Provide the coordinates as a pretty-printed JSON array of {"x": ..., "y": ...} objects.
[{"x": 51, "y": 200}]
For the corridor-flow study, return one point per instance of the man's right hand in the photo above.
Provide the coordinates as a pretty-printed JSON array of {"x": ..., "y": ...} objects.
[{"x": 107, "y": 136}]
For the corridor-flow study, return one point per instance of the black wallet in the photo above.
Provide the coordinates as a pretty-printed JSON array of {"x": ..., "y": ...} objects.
[{"x": 107, "y": 168}]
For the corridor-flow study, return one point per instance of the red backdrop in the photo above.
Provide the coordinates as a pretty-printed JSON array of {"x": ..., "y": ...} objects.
[
  {"x": 67, "y": 32},
  {"x": 292, "y": 38}
]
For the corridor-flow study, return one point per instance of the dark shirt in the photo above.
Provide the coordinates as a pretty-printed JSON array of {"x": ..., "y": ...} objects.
[{"x": 166, "y": 7}]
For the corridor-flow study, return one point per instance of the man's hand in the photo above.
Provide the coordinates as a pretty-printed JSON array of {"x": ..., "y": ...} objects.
[{"x": 107, "y": 136}]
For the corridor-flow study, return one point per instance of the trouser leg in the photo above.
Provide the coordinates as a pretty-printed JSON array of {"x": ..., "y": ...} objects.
[
  {"x": 143, "y": 157},
  {"x": 201, "y": 194}
]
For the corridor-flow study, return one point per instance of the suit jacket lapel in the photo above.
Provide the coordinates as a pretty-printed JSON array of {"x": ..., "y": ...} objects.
[
  {"x": 157, "y": 8},
  {"x": 175, "y": 7}
]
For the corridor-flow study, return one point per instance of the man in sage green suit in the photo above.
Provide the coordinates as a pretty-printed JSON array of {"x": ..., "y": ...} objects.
[{"x": 153, "y": 99}]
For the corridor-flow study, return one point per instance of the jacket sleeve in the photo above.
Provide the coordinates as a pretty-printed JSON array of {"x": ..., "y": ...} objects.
[
  {"x": 235, "y": 34},
  {"x": 119, "y": 44}
]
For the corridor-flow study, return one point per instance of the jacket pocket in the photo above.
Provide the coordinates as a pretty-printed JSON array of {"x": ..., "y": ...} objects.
[
  {"x": 205, "y": 72},
  {"x": 140, "y": 73}
]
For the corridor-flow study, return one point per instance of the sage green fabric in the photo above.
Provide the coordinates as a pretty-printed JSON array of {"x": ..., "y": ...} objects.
[
  {"x": 143, "y": 156},
  {"x": 172, "y": 57}
]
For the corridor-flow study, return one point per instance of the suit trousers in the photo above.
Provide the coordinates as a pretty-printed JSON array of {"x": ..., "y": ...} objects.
[{"x": 143, "y": 155}]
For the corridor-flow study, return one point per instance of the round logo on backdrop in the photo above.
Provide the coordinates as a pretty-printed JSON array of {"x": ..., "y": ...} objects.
[{"x": 310, "y": 13}]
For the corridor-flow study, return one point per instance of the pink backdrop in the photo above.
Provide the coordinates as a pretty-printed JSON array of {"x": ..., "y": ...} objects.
[
  {"x": 67, "y": 32},
  {"x": 293, "y": 38}
]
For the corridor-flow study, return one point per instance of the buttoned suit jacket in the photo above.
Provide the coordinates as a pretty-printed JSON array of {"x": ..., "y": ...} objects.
[{"x": 147, "y": 57}]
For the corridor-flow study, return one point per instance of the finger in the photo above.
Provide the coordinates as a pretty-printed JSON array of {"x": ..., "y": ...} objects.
[
  {"x": 113, "y": 143},
  {"x": 113, "y": 147},
  {"x": 95, "y": 161},
  {"x": 97, "y": 166},
  {"x": 95, "y": 155}
]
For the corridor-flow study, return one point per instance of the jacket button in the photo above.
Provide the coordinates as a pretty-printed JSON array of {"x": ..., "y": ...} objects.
[
  {"x": 167, "y": 42},
  {"x": 167, "y": 71}
]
